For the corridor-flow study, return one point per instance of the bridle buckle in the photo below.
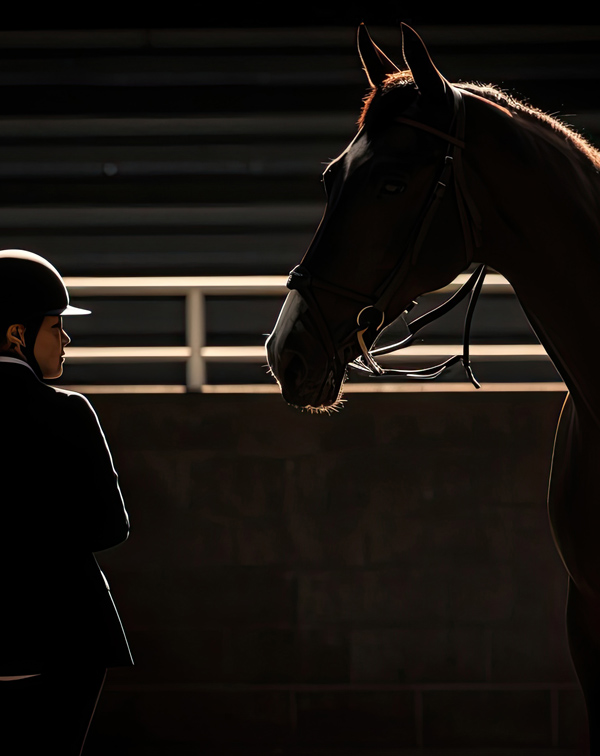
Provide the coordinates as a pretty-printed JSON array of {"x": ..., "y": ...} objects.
[{"x": 368, "y": 317}]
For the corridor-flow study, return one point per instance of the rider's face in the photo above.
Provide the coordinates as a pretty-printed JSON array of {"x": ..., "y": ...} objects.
[{"x": 50, "y": 345}]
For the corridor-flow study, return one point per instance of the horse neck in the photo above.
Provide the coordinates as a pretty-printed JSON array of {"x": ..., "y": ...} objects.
[{"x": 542, "y": 232}]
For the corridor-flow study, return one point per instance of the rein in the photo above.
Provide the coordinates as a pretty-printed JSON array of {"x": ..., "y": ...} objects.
[{"x": 372, "y": 315}]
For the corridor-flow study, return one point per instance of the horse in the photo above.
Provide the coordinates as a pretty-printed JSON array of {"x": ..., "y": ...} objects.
[{"x": 441, "y": 177}]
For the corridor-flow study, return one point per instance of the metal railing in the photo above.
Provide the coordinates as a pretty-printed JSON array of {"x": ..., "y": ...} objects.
[
  {"x": 196, "y": 354},
  {"x": 194, "y": 289}
]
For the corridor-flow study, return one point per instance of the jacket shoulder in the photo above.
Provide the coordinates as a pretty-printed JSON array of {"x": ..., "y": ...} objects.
[
  {"x": 68, "y": 412},
  {"x": 68, "y": 400}
]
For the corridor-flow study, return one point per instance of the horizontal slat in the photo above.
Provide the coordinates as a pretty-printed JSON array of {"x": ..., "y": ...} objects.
[
  {"x": 176, "y": 285},
  {"x": 130, "y": 169},
  {"x": 226, "y": 37},
  {"x": 239, "y": 127},
  {"x": 279, "y": 71},
  {"x": 127, "y": 354},
  {"x": 300, "y": 125},
  {"x": 127, "y": 252},
  {"x": 207, "y": 157},
  {"x": 371, "y": 387},
  {"x": 152, "y": 216},
  {"x": 223, "y": 285},
  {"x": 495, "y": 352},
  {"x": 500, "y": 352}
]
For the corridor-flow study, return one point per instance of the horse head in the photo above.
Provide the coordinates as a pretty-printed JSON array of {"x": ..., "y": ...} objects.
[{"x": 386, "y": 235}]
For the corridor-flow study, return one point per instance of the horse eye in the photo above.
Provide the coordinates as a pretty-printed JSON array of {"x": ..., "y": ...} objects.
[{"x": 392, "y": 187}]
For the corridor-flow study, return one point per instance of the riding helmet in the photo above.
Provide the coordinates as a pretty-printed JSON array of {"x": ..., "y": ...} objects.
[{"x": 31, "y": 286}]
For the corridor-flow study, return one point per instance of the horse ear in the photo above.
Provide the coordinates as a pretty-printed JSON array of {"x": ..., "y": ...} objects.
[
  {"x": 376, "y": 63},
  {"x": 427, "y": 78}
]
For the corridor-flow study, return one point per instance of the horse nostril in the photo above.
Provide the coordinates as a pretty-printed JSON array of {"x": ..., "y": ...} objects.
[{"x": 295, "y": 371}]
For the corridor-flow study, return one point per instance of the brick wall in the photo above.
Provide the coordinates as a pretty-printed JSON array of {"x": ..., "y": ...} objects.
[{"x": 381, "y": 578}]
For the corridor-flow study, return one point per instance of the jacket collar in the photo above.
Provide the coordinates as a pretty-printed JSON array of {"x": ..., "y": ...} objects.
[{"x": 16, "y": 361}]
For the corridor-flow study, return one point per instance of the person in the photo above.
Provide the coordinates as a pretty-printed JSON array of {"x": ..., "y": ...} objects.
[{"x": 59, "y": 503}]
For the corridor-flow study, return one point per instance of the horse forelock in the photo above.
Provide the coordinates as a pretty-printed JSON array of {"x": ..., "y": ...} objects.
[{"x": 403, "y": 80}]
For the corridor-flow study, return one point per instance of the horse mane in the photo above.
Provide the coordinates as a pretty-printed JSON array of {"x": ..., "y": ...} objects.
[{"x": 494, "y": 94}]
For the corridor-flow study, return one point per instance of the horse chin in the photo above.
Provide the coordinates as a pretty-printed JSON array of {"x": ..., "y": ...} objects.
[
  {"x": 330, "y": 401},
  {"x": 322, "y": 396}
]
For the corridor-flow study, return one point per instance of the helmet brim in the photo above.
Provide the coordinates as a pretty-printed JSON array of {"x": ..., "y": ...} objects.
[{"x": 70, "y": 310}]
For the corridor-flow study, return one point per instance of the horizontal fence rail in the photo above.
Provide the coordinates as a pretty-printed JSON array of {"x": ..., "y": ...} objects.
[{"x": 195, "y": 353}]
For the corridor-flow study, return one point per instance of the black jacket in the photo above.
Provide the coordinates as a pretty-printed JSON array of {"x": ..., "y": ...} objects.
[{"x": 59, "y": 503}]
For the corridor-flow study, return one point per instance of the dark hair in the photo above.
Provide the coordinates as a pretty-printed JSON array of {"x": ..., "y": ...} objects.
[{"x": 32, "y": 325}]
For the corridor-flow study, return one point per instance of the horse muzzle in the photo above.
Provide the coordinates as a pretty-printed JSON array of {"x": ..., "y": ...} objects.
[{"x": 308, "y": 375}]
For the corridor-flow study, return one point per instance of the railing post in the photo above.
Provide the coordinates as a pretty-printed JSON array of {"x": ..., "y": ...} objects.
[{"x": 195, "y": 332}]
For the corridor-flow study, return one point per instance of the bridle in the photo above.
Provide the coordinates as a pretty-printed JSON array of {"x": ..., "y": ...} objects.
[{"x": 372, "y": 313}]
